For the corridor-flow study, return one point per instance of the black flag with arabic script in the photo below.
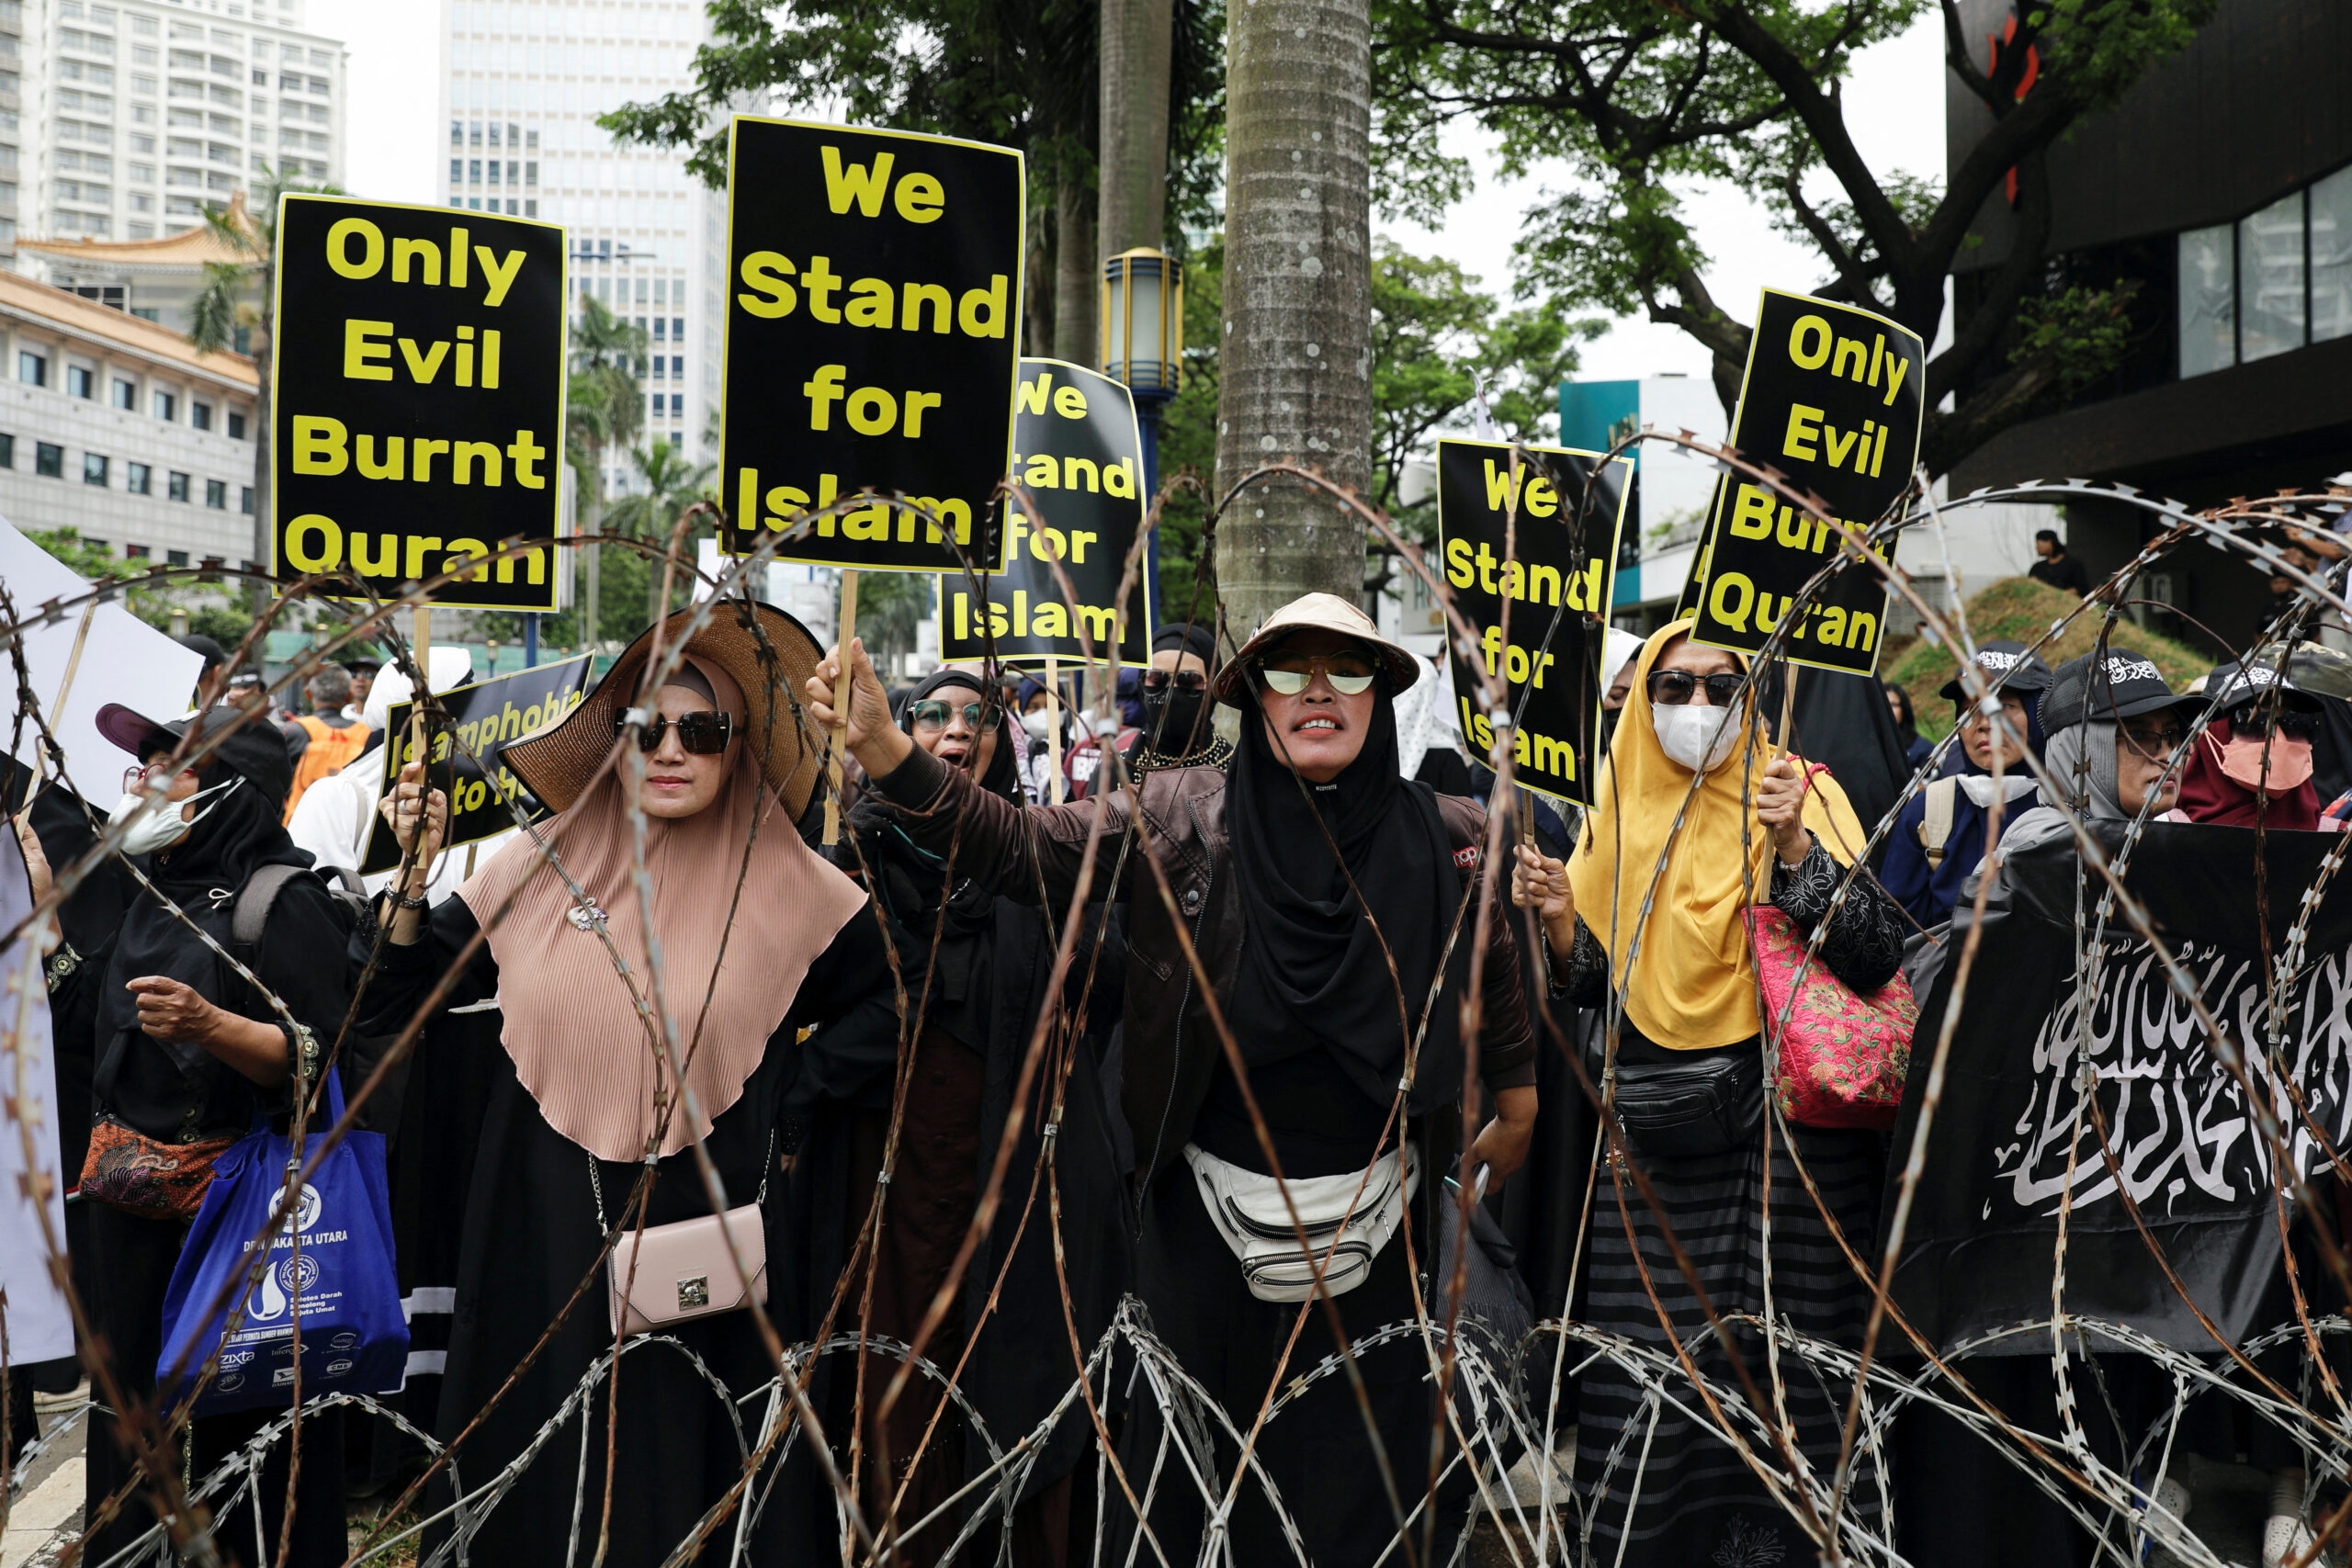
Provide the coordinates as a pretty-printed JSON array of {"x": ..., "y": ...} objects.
[{"x": 2192, "y": 1156}]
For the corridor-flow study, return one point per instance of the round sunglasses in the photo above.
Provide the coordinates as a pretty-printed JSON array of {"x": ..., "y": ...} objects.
[
  {"x": 936, "y": 715},
  {"x": 702, "y": 733}
]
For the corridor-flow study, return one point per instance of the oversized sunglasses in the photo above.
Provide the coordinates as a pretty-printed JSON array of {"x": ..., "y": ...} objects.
[
  {"x": 1673, "y": 688},
  {"x": 1182, "y": 680},
  {"x": 702, "y": 734},
  {"x": 1348, "y": 675},
  {"x": 934, "y": 715}
]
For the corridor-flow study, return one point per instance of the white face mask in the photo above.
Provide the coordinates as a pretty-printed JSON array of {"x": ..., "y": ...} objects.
[
  {"x": 1700, "y": 738},
  {"x": 158, "y": 824},
  {"x": 1040, "y": 723}
]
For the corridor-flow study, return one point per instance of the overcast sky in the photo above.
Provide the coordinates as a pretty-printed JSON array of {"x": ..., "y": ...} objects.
[{"x": 1893, "y": 101}]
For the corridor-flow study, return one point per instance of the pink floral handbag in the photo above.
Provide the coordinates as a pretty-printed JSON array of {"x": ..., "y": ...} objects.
[{"x": 1844, "y": 1056}]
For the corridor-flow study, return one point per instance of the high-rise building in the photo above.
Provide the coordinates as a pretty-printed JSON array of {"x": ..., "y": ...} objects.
[
  {"x": 132, "y": 116},
  {"x": 522, "y": 82}
]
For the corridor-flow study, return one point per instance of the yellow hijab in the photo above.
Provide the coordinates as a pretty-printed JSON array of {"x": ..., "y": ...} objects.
[{"x": 1693, "y": 980}]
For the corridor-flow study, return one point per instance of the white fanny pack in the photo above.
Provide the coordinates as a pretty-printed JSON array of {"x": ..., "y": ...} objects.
[{"x": 1348, "y": 1219}]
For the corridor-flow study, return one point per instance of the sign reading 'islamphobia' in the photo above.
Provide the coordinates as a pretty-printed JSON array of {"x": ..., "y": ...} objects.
[
  {"x": 419, "y": 367},
  {"x": 873, "y": 324}
]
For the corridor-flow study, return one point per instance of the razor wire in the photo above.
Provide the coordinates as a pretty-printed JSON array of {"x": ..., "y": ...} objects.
[{"x": 1500, "y": 1429}]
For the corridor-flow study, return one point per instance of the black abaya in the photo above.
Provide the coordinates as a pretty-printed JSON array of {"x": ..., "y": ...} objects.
[{"x": 530, "y": 1237}]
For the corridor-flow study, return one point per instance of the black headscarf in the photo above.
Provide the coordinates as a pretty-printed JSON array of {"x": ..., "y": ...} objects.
[
  {"x": 911, "y": 880},
  {"x": 238, "y": 832},
  {"x": 1312, "y": 969}
]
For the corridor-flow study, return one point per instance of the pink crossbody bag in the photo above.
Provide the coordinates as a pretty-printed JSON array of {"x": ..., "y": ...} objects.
[{"x": 675, "y": 1273}]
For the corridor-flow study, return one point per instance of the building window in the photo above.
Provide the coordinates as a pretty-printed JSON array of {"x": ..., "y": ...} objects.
[
  {"x": 236, "y": 425},
  {"x": 175, "y": 487},
  {"x": 126, "y": 393},
  {"x": 2207, "y": 300},
  {"x": 134, "y": 552},
  {"x": 139, "y": 479},
  {"x": 49, "y": 460},
  {"x": 216, "y": 494},
  {"x": 93, "y": 468},
  {"x": 2271, "y": 279},
  {"x": 245, "y": 499},
  {"x": 80, "y": 381},
  {"x": 175, "y": 558},
  {"x": 8, "y": 451},
  {"x": 33, "y": 369},
  {"x": 2331, "y": 220},
  {"x": 167, "y": 406},
  {"x": 200, "y": 415}
]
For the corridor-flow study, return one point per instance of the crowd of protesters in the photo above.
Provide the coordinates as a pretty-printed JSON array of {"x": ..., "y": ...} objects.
[{"x": 1075, "y": 1011}]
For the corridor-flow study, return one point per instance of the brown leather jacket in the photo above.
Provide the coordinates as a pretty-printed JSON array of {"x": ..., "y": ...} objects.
[{"x": 1171, "y": 1047}]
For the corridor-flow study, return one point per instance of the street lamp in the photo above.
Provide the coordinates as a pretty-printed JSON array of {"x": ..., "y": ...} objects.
[{"x": 1143, "y": 345}]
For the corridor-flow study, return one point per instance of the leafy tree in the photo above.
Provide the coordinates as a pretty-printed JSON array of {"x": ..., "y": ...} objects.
[
  {"x": 665, "y": 484},
  {"x": 1642, "y": 100},
  {"x": 1016, "y": 73},
  {"x": 603, "y": 410},
  {"x": 156, "y": 606},
  {"x": 234, "y": 314}
]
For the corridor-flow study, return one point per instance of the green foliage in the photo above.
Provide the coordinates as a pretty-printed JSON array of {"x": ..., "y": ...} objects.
[
  {"x": 605, "y": 406},
  {"x": 889, "y": 604},
  {"x": 2019, "y": 609},
  {"x": 237, "y": 294},
  {"x": 1644, "y": 101},
  {"x": 156, "y": 606},
  {"x": 2081, "y": 331},
  {"x": 1188, "y": 449}
]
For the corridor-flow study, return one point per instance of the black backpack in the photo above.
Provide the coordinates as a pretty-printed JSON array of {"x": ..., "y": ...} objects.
[{"x": 249, "y": 918}]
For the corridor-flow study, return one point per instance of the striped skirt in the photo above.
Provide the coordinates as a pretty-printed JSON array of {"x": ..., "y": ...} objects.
[{"x": 1656, "y": 1479}]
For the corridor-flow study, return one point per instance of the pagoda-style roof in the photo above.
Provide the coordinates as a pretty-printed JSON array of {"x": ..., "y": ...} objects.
[
  {"x": 30, "y": 299},
  {"x": 185, "y": 251}
]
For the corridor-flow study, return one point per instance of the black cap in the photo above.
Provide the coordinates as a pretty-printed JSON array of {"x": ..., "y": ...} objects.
[
  {"x": 2239, "y": 684},
  {"x": 362, "y": 664},
  {"x": 2118, "y": 684},
  {"x": 2008, "y": 667},
  {"x": 255, "y": 752},
  {"x": 204, "y": 648}
]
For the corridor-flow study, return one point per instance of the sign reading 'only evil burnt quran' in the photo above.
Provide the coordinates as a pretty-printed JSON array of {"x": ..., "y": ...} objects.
[
  {"x": 1078, "y": 456},
  {"x": 873, "y": 324},
  {"x": 464, "y": 757},
  {"x": 1534, "y": 528},
  {"x": 419, "y": 365},
  {"x": 1832, "y": 399}
]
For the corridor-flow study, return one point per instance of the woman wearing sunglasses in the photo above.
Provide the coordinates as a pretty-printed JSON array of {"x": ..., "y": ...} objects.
[
  {"x": 675, "y": 815},
  {"x": 990, "y": 964},
  {"x": 1698, "y": 817},
  {"x": 1296, "y": 882}
]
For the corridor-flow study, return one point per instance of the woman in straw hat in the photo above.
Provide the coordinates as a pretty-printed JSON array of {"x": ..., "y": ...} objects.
[
  {"x": 705, "y": 935},
  {"x": 1331, "y": 904},
  {"x": 1760, "y": 827}
]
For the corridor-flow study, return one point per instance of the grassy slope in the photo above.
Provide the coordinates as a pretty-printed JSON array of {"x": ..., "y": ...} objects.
[{"x": 2018, "y": 609}]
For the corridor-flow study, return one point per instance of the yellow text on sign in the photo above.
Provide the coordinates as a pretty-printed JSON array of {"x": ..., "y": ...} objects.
[
  {"x": 784, "y": 505},
  {"x": 1814, "y": 343},
  {"x": 1046, "y": 618},
  {"x": 357, "y": 249},
  {"x": 315, "y": 542},
  {"x": 1539, "y": 753},
  {"x": 324, "y": 447}
]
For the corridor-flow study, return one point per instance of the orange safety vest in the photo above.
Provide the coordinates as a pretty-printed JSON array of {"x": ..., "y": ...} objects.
[{"x": 328, "y": 751}]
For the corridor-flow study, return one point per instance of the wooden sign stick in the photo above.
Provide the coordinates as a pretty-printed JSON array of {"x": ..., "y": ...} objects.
[
  {"x": 840, "y": 706},
  {"x": 1054, "y": 790}
]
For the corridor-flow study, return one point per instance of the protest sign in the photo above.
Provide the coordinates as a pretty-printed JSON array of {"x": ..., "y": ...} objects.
[
  {"x": 1517, "y": 525},
  {"x": 873, "y": 325},
  {"x": 482, "y": 717},
  {"x": 1986, "y": 1221},
  {"x": 1078, "y": 453},
  {"x": 419, "y": 367},
  {"x": 1832, "y": 398},
  {"x": 35, "y": 1323},
  {"x": 92, "y": 655}
]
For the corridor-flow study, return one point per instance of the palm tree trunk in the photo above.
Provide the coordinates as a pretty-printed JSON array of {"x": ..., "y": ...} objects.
[
  {"x": 264, "y": 542},
  {"x": 1074, "y": 288},
  {"x": 1296, "y": 371},
  {"x": 1131, "y": 203}
]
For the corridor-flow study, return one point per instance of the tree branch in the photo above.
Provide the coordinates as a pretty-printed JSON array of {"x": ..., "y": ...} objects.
[{"x": 1972, "y": 338}]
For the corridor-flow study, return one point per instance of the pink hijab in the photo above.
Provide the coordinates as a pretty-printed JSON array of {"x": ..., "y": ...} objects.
[{"x": 579, "y": 1041}]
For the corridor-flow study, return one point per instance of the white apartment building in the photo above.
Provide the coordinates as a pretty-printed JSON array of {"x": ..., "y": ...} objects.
[
  {"x": 115, "y": 427},
  {"x": 522, "y": 82},
  {"x": 136, "y": 115}
]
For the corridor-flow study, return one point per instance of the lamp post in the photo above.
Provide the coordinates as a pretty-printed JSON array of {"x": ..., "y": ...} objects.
[{"x": 1143, "y": 345}]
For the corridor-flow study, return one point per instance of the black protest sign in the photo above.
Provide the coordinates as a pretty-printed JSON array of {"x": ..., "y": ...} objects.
[
  {"x": 1832, "y": 400},
  {"x": 1533, "y": 527},
  {"x": 2010, "y": 1149},
  {"x": 419, "y": 366},
  {"x": 873, "y": 325},
  {"x": 482, "y": 717},
  {"x": 1079, "y": 455}
]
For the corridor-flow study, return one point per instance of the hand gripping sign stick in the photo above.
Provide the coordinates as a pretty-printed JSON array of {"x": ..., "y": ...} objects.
[{"x": 841, "y": 706}]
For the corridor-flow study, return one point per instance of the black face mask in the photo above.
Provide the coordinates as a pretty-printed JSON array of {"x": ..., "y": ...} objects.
[{"x": 1170, "y": 720}]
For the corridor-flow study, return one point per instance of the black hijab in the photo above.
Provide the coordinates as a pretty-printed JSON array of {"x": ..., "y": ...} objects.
[
  {"x": 238, "y": 832},
  {"x": 1311, "y": 970},
  {"x": 911, "y": 880}
]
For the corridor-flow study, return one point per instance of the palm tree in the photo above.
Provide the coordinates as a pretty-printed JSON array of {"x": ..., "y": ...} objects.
[
  {"x": 1294, "y": 372},
  {"x": 665, "y": 484},
  {"x": 244, "y": 293},
  {"x": 603, "y": 410}
]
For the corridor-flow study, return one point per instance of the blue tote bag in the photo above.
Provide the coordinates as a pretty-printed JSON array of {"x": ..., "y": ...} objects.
[{"x": 340, "y": 1279}]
